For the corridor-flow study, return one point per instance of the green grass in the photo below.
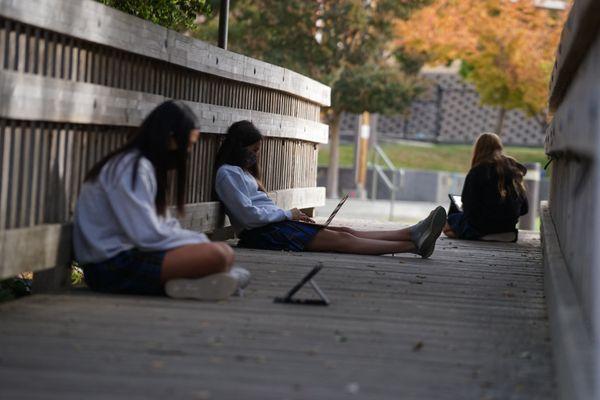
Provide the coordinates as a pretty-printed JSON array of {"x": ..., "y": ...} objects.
[{"x": 435, "y": 157}]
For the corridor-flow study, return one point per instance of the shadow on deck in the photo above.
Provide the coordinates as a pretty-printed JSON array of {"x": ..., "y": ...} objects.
[{"x": 469, "y": 323}]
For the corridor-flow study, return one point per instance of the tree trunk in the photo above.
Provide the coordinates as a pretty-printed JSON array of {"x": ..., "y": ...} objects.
[
  {"x": 500, "y": 124},
  {"x": 334, "y": 157}
]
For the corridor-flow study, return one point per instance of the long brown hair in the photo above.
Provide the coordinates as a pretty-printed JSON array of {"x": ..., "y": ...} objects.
[{"x": 488, "y": 150}]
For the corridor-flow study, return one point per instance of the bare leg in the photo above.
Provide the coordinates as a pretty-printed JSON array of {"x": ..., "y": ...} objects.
[
  {"x": 395, "y": 236},
  {"x": 196, "y": 261},
  {"x": 345, "y": 242},
  {"x": 449, "y": 232}
]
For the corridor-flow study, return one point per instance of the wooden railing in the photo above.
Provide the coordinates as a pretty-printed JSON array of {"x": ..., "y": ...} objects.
[
  {"x": 77, "y": 78},
  {"x": 572, "y": 220}
]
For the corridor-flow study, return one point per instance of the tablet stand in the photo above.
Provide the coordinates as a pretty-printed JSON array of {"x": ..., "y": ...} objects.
[{"x": 288, "y": 298}]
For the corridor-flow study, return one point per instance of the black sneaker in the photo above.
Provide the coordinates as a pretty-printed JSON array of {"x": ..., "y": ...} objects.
[{"x": 425, "y": 233}]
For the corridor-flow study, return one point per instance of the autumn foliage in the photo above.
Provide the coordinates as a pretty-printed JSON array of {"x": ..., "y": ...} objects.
[{"x": 507, "y": 46}]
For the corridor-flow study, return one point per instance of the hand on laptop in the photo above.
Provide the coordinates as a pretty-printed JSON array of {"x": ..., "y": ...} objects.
[{"x": 298, "y": 215}]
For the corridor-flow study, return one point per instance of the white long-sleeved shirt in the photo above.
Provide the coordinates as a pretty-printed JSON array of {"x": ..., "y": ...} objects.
[
  {"x": 112, "y": 216},
  {"x": 246, "y": 205}
]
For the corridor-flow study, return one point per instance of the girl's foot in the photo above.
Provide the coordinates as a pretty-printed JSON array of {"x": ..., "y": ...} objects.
[
  {"x": 213, "y": 287},
  {"x": 425, "y": 233}
]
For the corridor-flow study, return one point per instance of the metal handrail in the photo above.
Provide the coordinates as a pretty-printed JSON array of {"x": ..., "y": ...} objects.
[{"x": 378, "y": 172}]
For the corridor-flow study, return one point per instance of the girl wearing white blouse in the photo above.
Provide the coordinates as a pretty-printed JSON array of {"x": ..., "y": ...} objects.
[
  {"x": 123, "y": 236},
  {"x": 261, "y": 224}
]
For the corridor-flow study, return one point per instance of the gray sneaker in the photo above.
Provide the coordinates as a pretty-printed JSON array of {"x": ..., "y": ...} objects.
[
  {"x": 425, "y": 233},
  {"x": 213, "y": 287}
]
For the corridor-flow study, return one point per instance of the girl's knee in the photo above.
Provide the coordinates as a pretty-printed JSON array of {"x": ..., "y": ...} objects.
[
  {"x": 343, "y": 229},
  {"x": 224, "y": 256},
  {"x": 349, "y": 231},
  {"x": 344, "y": 236}
]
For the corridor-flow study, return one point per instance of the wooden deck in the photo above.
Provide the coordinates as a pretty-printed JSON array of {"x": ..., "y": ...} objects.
[{"x": 469, "y": 323}]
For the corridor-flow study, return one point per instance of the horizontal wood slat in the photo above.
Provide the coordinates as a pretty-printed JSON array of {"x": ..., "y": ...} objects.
[
  {"x": 46, "y": 246},
  {"x": 206, "y": 217},
  {"x": 576, "y": 124},
  {"x": 578, "y": 35},
  {"x": 46, "y": 99},
  {"x": 94, "y": 22},
  {"x": 571, "y": 339}
]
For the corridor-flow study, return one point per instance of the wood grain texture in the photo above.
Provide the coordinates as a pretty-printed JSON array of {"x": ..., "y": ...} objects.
[
  {"x": 91, "y": 21},
  {"x": 46, "y": 246},
  {"x": 208, "y": 216},
  {"x": 44, "y": 99},
  {"x": 34, "y": 249},
  {"x": 575, "y": 126},
  {"x": 571, "y": 336},
  {"x": 469, "y": 323},
  {"x": 579, "y": 33}
]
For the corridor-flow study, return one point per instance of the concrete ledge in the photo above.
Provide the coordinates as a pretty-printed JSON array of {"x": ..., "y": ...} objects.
[{"x": 571, "y": 339}]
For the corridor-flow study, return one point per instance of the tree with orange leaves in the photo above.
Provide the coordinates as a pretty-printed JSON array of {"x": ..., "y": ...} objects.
[{"x": 507, "y": 47}]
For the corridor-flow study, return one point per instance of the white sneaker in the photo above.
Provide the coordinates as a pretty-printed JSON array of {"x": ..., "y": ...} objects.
[
  {"x": 212, "y": 287},
  {"x": 242, "y": 275}
]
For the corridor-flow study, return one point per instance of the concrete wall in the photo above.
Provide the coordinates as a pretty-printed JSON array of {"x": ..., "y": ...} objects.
[{"x": 450, "y": 111}]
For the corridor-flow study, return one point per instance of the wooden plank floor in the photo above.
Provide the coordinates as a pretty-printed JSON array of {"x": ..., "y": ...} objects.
[{"x": 469, "y": 323}]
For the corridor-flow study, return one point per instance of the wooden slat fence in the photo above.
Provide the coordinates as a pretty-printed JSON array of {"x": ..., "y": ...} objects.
[
  {"x": 77, "y": 78},
  {"x": 573, "y": 220}
]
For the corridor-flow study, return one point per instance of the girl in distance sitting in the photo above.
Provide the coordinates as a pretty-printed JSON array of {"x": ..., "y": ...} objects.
[{"x": 493, "y": 196}]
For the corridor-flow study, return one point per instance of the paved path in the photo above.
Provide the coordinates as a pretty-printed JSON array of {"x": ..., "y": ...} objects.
[
  {"x": 469, "y": 323},
  {"x": 407, "y": 212}
]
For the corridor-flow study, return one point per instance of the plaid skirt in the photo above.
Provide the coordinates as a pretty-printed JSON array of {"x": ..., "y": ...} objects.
[
  {"x": 284, "y": 235},
  {"x": 129, "y": 272},
  {"x": 461, "y": 226}
]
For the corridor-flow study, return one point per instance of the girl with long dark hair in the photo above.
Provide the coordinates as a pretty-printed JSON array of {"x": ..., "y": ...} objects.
[
  {"x": 493, "y": 196},
  {"x": 123, "y": 235},
  {"x": 260, "y": 224}
]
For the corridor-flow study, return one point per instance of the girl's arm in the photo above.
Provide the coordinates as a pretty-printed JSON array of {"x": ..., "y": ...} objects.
[
  {"x": 136, "y": 212},
  {"x": 234, "y": 194}
]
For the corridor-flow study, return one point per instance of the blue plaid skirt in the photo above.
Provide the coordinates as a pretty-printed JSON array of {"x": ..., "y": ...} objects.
[
  {"x": 129, "y": 272},
  {"x": 284, "y": 235},
  {"x": 461, "y": 226}
]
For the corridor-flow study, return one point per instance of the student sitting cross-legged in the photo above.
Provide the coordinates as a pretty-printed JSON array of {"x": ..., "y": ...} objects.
[
  {"x": 493, "y": 196},
  {"x": 261, "y": 224},
  {"x": 123, "y": 236}
]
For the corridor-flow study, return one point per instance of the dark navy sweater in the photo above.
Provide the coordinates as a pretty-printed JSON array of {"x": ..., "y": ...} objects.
[{"x": 483, "y": 206}]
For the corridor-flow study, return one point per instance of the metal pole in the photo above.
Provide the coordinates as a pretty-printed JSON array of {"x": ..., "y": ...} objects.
[
  {"x": 223, "y": 24},
  {"x": 532, "y": 185}
]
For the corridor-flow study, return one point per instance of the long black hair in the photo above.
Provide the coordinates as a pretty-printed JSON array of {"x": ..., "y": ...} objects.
[
  {"x": 234, "y": 149},
  {"x": 171, "y": 119}
]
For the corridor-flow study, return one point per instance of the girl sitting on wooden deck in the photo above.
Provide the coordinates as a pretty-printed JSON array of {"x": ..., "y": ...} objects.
[
  {"x": 493, "y": 196},
  {"x": 261, "y": 224},
  {"x": 123, "y": 236}
]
